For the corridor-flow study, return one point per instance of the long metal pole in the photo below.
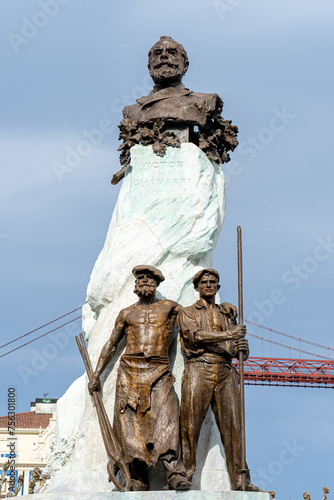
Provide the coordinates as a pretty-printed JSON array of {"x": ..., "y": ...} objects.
[
  {"x": 241, "y": 364},
  {"x": 108, "y": 436}
]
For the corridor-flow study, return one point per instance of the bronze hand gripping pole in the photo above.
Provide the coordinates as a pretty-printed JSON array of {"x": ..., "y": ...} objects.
[
  {"x": 108, "y": 436},
  {"x": 244, "y": 468}
]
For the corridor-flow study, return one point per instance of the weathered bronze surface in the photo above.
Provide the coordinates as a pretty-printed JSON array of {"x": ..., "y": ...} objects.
[
  {"x": 326, "y": 491},
  {"x": 18, "y": 485},
  {"x": 244, "y": 469},
  {"x": 3, "y": 478},
  {"x": 152, "y": 119},
  {"x": 146, "y": 419},
  {"x": 210, "y": 338},
  {"x": 115, "y": 462},
  {"x": 36, "y": 475}
]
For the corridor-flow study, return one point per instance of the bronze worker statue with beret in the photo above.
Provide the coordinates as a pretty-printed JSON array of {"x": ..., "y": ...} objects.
[
  {"x": 146, "y": 414},
  {"x": 210, "y": 339}
]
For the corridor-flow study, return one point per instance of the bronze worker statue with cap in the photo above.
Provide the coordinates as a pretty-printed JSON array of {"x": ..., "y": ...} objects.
[
  {"x": 172, "y": 114},
  {"x": 146, "y": 415},
  {"x": 210, "y": 339}
]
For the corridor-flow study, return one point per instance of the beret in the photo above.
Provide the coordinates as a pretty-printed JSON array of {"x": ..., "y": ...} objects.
[
  {"x": 153, "y": 270},
  {"x": 200, "y": 273}
]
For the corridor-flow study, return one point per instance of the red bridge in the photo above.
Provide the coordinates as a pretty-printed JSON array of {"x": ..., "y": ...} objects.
[{"x": 289, "y": 372}]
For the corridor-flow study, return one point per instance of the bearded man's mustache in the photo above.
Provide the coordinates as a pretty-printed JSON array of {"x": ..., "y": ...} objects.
[
  {"x": 170, "y": 65},
  {"x": 144, "y": 290}
]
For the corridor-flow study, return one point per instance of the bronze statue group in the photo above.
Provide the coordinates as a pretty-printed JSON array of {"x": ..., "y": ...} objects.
[{"x": 147, "y": 423}]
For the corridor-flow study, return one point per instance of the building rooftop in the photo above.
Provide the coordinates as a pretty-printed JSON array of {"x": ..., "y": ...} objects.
[{"x": 28, "y": 420}]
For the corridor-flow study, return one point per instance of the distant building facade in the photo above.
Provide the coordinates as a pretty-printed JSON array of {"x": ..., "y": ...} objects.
[{"x": 34, "y": 431}]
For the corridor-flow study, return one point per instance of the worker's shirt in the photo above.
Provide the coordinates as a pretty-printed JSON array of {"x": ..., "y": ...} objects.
[{"x": 194, "y": 321}]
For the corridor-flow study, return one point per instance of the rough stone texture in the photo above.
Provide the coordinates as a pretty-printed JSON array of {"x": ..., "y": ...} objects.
[{"x": 169, "y": 214}]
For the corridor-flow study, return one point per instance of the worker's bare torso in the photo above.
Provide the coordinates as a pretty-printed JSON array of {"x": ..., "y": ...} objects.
[{"x": 149, "y": 327}]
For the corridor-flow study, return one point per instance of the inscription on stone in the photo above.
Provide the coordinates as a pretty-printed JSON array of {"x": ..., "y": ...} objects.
[
  {"x": 162, "y": 183},
  {"x": 162, "y": 173},
  {"x": 162, "y": 163}
]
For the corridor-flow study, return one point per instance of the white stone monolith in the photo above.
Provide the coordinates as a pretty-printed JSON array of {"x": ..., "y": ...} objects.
[{"x": 169, "y": 213}]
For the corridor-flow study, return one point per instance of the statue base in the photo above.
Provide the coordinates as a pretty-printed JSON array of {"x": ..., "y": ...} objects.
[{"x": 154, "y": 495}]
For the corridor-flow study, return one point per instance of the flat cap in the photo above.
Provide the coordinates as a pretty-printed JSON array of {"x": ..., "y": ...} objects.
[
  {"x": 157, "y": 275},
  {"x": 200, "y": 273}
]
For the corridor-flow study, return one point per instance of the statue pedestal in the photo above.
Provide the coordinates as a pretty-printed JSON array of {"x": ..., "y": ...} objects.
[
  {"x": 169, "y": 214},
  {"x": 155, "y": 495}
]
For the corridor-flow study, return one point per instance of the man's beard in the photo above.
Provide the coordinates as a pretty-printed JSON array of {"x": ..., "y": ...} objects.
[
  {"x": 166, "y": 73},
  {"x": 144, "y": 290}
]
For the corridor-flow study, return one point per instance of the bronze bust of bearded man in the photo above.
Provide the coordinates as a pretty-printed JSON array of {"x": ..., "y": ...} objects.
[{"x": 172, "y": 114}]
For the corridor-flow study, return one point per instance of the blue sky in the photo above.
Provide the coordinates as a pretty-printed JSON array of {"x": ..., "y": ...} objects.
[{"x": 80, "y": 62}]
